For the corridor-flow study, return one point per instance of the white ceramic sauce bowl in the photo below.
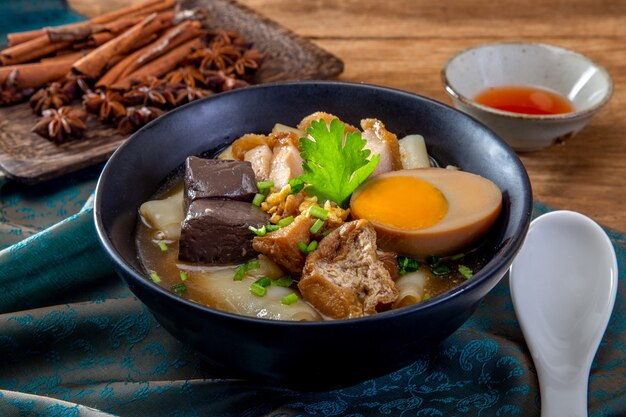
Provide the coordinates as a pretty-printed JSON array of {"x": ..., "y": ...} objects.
[{"x": 575, "y": 77}]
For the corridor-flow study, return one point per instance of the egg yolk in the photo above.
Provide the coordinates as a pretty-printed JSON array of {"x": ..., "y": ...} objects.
[{"x": 403, "y": 202}]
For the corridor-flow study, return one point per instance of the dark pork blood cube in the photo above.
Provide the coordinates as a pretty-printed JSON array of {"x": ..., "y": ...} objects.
[
  {"x": 216, "y": 231},
  {"x": 216, "y": 178}
]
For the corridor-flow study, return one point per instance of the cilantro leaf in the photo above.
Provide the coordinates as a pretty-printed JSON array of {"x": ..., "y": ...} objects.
[{"x": 332, "y": 167}]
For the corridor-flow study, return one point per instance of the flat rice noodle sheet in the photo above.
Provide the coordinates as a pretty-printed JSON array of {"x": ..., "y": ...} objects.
[{"x": 224, "y": 293}]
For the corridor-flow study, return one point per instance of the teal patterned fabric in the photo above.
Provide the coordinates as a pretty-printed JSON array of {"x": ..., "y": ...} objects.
[
  {"x": 42, "y": 233},
  {"x": 74, "y": 341},
  {"x": 21, "y": 15}
]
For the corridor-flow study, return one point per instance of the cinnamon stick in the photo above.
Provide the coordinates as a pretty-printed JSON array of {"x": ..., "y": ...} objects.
[
  {"x": 73, "y": 56},
  {"x": 143, "y": 8},
  {"x": 21, "y": 37},
  {"x": 88, "y": 30},
  {"x": 121, "y": 24},
  {"x": 31, "y": 50},
  {"x": 159, "y": 66},
  {"x": 93, "y": 34},
  {"x": 72, "y": 33},
  {"x": 169, "y": 40},
  {"x": 95, "y": 40},
  {"x": 36, "y": 75},
  {"x": 93, "y": 64},
  {"x": 149, "y": 6},
  {"x": 178, "y": 35}
]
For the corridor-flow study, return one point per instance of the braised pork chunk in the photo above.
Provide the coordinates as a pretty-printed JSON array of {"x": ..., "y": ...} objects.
[{"x": 281, "y": 246}]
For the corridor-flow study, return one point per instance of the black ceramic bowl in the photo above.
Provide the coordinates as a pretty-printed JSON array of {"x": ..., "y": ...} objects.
[{"x": 313, "y": 355}]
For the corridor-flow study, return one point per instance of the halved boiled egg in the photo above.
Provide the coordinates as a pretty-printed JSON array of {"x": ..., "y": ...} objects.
[{"x": 428, "y": 211}]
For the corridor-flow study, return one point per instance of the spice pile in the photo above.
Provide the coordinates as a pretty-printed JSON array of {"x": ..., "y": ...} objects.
[{"x": 127, "y": 67}]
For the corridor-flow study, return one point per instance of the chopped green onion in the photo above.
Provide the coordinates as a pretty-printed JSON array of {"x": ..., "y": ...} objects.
[
  {"x": 258, "y": 290},
  {"x": 441, "y": 269},
  {"x": 261, "y": 231},
  {"x": 258, "y": 199},
  {"x": 317, "y": 211},
  {"x": 289, "y": 299},
  {"x": 406, "y": 265},
  {"x": 241, "y": 270},
  {"x": 319, "y": 223},
  {"x": 272, "y": 227},
  {"x": 433, "y": 260},
  {"x": 264, "y": 185},
  {"x": 179, "y": 288},
  {"x": 306, "y": 249},
  {"x": 303, "y": 247},
  {"x": 155, "y": 277},
  {"x": 252, "y": 265},
  {"x": 283, "y": 282},
  {"x": 325, "y": 233},
  {"x": 263, "y": 282},
  {"x": 465, "y": 271},
  {"x": 183, "y": 276},
  {"x": 285, "y": 222},
  {"x": 162, "y": 245},
  {"x": 296, "y": 185},
  {"x": 457, "y": 256},
  {"x": 426, "y": 296}
]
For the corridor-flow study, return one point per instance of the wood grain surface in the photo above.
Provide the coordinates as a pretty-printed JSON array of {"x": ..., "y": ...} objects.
[
  {"x": 28, "y": 158},
  {"x": 404, "y": 43}
]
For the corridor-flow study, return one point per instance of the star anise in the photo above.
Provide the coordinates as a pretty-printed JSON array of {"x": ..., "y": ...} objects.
[
  {"x": 242, "y": 44},
  {"x": 10, "y": 94},
  {"x": 189, "y": 75},
  {"x": 228, "y": 37},
  {"x": 186, "y": 94},
  {"x": 249, "y": 61},
  {"x": 151, "y": 93},
  {"x": 220, "y": 55},
  {"x": 62, "y": 124},
  {"x": 9, "y": 97},
  {"x": 108, "y": 105},
  {"x": 51, "y": 97},
  {"x": 76, "y": 85},
  {"x": 220, "y": 81},
  {"x": 136, "y": 117},
  {"x": 231, "y": 38}
]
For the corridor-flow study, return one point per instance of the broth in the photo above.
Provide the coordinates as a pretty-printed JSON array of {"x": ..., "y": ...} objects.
[{"x": 168, "y": 268}]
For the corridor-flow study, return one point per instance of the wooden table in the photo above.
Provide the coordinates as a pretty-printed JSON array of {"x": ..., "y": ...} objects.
[{"x": 404, "y": 43}]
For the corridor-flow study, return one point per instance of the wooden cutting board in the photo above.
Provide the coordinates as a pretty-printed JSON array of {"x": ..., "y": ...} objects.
[{"x": 28, "y": 158}]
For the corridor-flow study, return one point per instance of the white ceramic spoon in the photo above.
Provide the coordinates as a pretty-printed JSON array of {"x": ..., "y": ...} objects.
[{"x": 563, "y": 285}]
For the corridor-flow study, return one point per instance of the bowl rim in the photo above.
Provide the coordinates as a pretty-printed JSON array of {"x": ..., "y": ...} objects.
[
  {"x": 578, "y": 114},
  {"x": 494, "y": 266}
]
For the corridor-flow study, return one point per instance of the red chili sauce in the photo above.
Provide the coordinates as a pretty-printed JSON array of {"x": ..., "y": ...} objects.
[{"x": 526, "y": 100}]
